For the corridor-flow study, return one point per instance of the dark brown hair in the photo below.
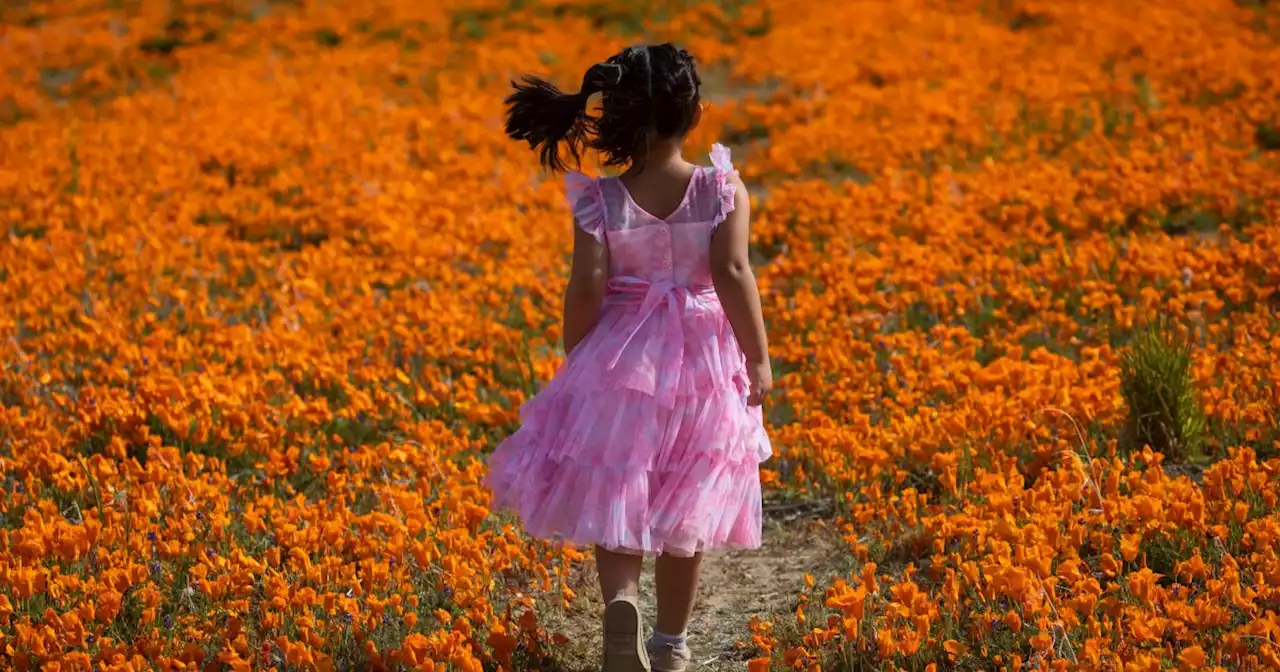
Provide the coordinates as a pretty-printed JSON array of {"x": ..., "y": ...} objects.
[{"x": 648, "y": 93}]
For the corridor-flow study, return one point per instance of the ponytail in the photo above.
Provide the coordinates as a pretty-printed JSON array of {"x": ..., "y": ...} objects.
[{"x": 546, "y": 117}]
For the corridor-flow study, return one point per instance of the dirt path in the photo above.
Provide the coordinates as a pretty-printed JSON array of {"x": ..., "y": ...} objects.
[{"x": 735, "y": 587}]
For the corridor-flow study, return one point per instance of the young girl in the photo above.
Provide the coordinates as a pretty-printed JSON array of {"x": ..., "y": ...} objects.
[{"x": 649, "y": 438}]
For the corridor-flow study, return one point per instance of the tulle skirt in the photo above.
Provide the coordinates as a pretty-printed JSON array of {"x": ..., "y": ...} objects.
[{"x": 643, "y": 441}]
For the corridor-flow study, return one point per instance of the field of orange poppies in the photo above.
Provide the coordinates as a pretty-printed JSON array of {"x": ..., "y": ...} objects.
[{"x": 272, "y": 282}]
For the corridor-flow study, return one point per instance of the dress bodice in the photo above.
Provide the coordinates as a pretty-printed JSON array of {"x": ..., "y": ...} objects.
[{"x": 672, "y": 250}]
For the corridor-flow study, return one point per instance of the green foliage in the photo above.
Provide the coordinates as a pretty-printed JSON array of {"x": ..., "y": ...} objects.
[
  {"x": 1163, "y": 551},
  {"x": 1268, "y": 137},
  {"x": 328, "y": 37},
  {"x": 163, "y": 44},
  {"x": 1155, "y": 380}
]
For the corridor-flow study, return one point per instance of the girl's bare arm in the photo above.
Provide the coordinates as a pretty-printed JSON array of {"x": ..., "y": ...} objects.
[
  {"x": 736, "y": 286},
  {"x": 587, "y": 283}
]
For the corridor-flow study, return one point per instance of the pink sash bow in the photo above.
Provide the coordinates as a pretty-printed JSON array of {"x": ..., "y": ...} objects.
[{"x": 651, "y": 295}]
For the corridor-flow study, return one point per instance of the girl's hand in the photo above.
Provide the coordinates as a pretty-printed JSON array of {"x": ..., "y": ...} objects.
[{"x": 760, "y": 375}]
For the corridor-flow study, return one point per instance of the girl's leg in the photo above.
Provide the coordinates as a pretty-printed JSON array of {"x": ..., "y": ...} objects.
[
  {"x": 624, "y": 649},
  {"x": 677, "y": 583},
  {"x": 619, "y": 574}
]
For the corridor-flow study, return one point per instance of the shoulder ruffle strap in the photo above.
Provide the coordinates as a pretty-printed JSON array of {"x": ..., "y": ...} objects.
[
  {"x": 587, "y": 203},
  {"x": 726, "y": 188}
]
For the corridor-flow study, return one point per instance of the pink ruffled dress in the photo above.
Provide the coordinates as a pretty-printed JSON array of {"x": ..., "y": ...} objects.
[{"x": 643, "y": 441}]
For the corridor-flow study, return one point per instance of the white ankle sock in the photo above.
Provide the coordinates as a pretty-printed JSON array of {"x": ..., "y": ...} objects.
[{"x": 663, "y": 639}]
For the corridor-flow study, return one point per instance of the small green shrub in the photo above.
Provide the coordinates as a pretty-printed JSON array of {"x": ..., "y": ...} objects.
[{"x": 1155, "y": 380}]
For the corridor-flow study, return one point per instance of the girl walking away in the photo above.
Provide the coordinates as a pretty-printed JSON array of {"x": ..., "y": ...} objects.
[{"x": 648, "y": 440}]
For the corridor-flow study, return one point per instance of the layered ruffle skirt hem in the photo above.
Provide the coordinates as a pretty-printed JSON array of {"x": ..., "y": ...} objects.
[{"x": 643, "y": 441}]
